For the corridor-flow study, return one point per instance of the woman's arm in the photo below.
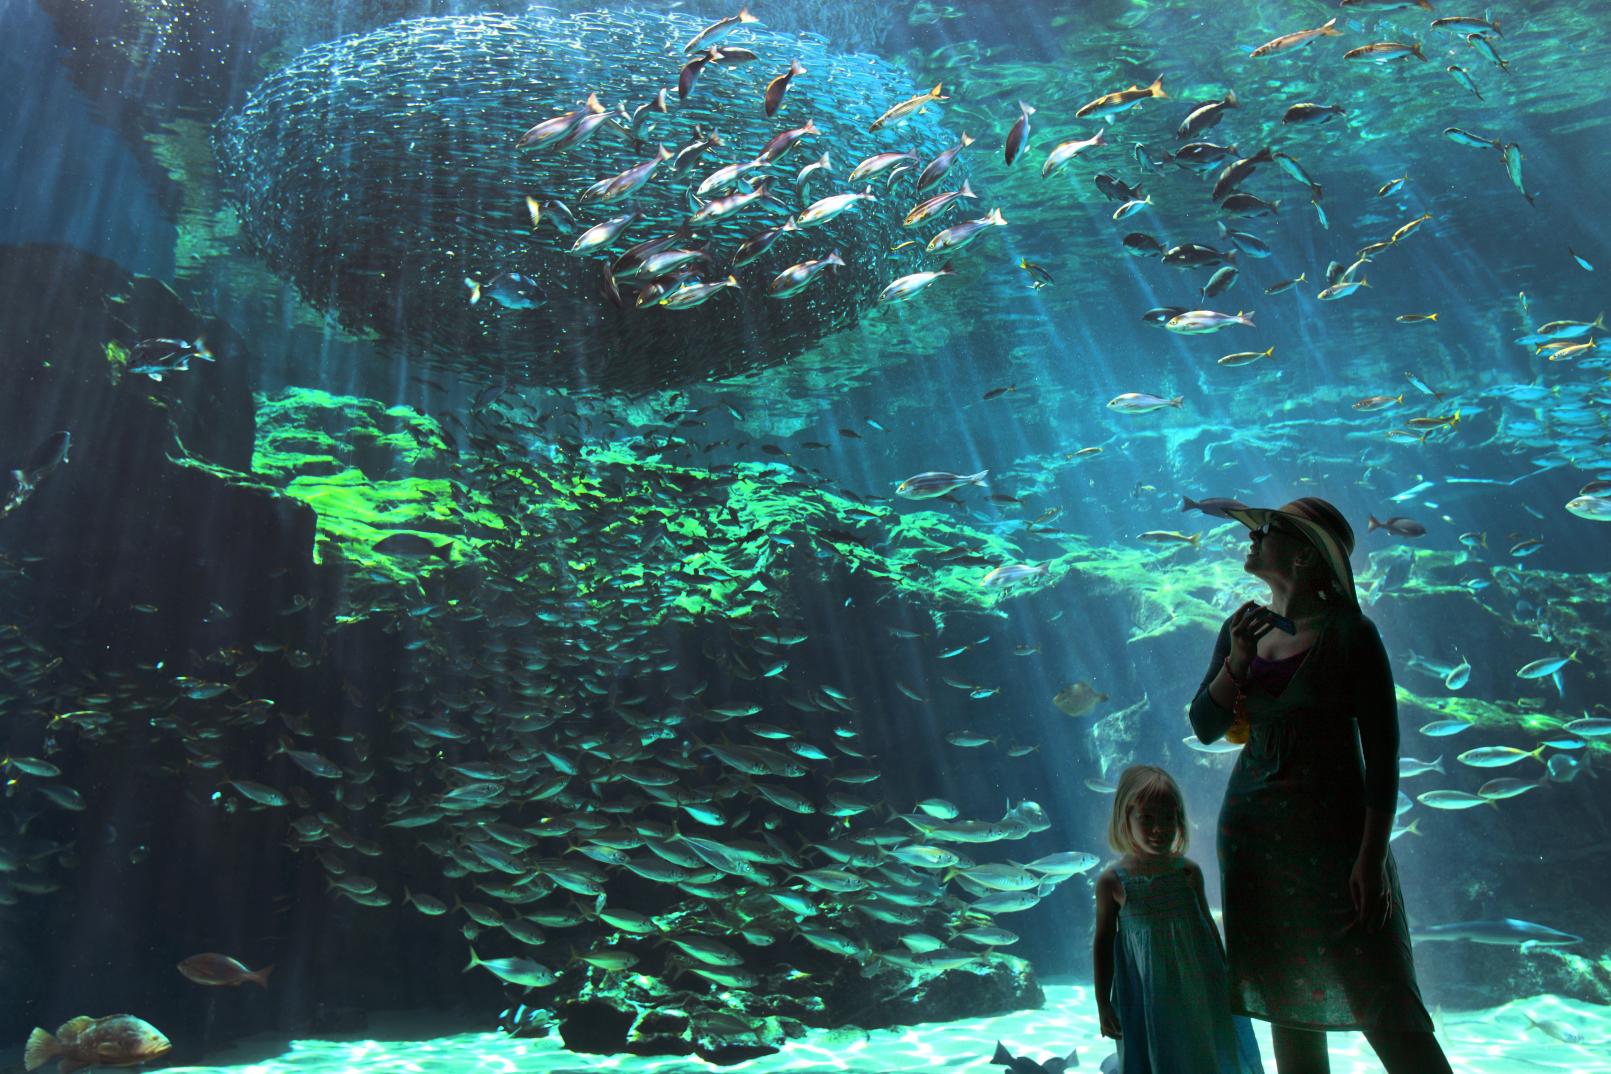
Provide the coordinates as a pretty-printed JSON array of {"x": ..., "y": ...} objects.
[
  {"x": 1195, "y": 874},
  {"x": 1211, "y": 708},
  {"x": 1376, "y": 711}
]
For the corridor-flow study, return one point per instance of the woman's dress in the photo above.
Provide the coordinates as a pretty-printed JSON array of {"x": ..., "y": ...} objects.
[{"x": 1322, "y": 746}]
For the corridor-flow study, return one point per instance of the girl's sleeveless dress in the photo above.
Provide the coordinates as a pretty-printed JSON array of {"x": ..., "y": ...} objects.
[{"x": 1169, "y": 984}]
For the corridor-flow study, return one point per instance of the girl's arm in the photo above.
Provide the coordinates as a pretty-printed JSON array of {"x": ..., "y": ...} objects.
[
  {"x": 1211, "y": 708},
  {"x": 1107, "y": 927},
  {"x": 1376, "y": 711}
]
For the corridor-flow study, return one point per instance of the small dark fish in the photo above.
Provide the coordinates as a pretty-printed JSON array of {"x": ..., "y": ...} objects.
[
  {"x": 1286, "y": 285},
  {"x": 996, "y": 393},
  {"x": 1160, "y": 316},
  {"x": 216, "y": 969},
  {"x": 1115, "y": 189},
  {"x": 1582, "y": 263},
  {"x": 1140, "y": 244},
  {"x": 1205, "y": 116},
  {"x": 1221, "y": 281},
  {"x": 1018, "y": 136},
  {"x": 1231, "y": 176},
  {"x": 1038, "y": 276},
  {"x": 412, "y": 544},
  {"x": 941, "y": 164},
  {"x": 156, "y": 358},
  {"x": 1309, "y": 112},
  {"x": 1248, "y": 205},
  {"x": 1203, "y": 156},
  {"x": 780, "y": 85},
  {"x": 1193, "y": 255},
  {"x": 1216, "y": 506},
  {"x": 1398, "y": 525}
]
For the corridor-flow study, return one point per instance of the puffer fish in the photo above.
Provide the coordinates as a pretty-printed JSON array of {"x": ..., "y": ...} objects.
[
  {"x": 1010, "y": 574},
  {"x": 1143, "y": 403},
  {"x": 1296, "y": 39},
  {"x": 117, "y": 1040},
  {"x": 1077, "y": 699},
  {"x": 936, "y": 168},
  {"x": 1204, "y": 116},
  {"x": 511, "y": 290},
  {"x": 935, "y": 483},
  {"x": 1018, "y": 136},
  {"x": 957, "y": 236},
  {"x": 820, "y": 212},
  {"x": 905, "y": 287},
  {"x": 796, "y": 278},
  {"x": 772, "y": 99},
  {"x": 1067, "y": 151},
  {"x": 1111, "y": 104},
  {"x": 909, "y": 106},
  {"x": 1200, "y": 322}
]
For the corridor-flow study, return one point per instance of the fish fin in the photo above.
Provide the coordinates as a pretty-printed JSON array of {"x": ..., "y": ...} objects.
[
  {"x": 260, "y": 977},
  {"x": 1156, "y": 89},
  {"x": 1001, "y": 1058},
  {"x": 475, "y": 960},
  {"x": 41, "y": 1049}
]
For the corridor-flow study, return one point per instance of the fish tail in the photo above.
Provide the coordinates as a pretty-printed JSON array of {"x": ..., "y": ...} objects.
[
  {"x": 1156, "y": 89},
  {"x": 1187, "y": 503},
  {"x": 1372, "y": 523},
  {"x": 1330, "y": 29},
  {"x": 41, "y": 1049},
  {"x": 745, "y": 16},
  {"x": 260, "y": 977},
  {"x": 1002, "y": 1058},
  {"x": 935, "y": 92},
  {"x": 1415, "y": 50},
  {"x": 978, "y": 478},
  {"x": 475, "y": 961},
  {"x": 1230, "y": 99},
  {"x": 1271, "y": 352}
]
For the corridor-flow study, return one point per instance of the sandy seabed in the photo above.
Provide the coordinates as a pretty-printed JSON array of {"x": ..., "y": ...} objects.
[{"x": 1495, "y": 1041}]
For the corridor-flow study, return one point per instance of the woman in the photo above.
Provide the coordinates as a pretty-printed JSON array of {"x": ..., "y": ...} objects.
[{"x": 1314, "y": 922}]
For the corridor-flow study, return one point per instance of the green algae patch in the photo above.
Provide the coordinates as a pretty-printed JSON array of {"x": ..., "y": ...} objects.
[{"x": 377, "y": 479}]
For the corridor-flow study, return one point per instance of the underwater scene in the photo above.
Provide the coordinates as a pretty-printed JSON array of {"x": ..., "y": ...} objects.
[{"x": 815, "y": 536}]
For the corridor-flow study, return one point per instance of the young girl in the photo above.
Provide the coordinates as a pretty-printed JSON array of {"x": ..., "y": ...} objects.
[{"x": 1161, "y": 989}]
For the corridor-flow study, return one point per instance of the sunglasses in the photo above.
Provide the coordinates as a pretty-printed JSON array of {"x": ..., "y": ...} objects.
[{"x": 1273, "y": 525}]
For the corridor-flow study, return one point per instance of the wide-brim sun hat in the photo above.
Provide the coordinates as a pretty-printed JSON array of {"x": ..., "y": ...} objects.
[{"x": 1325, "y": 528}]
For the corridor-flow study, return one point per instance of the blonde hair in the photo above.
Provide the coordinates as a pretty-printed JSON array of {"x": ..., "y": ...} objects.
[{"x": 1145, "y": 783}]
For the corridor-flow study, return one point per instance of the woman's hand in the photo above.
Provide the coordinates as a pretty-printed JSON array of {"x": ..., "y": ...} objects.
[
  {"x": 1371, "y": 891},
  {"x": 1249, "y": 623},
  {"x": 1109, "y": 1018}
]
